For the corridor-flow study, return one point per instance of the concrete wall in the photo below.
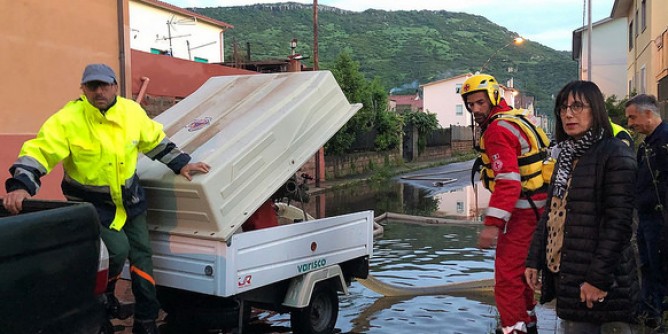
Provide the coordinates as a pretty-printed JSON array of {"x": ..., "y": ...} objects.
[
  {"x": 11, "y": 145},
  {"x": 441, "y": 152},
  {"x": 173, "y": 77},
  {"x": 46, "y": 45},
  {"x": 365, "y": 162},
  {"x": 359, "y": 163}
]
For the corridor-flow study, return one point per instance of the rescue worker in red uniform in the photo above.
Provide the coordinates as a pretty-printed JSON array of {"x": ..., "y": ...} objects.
[{"x": 512, "y": 153}]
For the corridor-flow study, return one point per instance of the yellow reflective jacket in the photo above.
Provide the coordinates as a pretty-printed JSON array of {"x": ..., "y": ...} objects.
[
  {"x": 99, "y": 155},
  {"x": 619, "y": 132},
  {"x": 534, "y": 175}
]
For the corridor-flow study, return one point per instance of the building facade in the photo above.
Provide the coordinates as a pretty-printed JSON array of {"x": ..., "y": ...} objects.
[
  {"x": 608, "y": 56},
  {"x": 443, "y": 98},
  {"x": 160, "y": 28},
  {"x": 646, "y": 51}
]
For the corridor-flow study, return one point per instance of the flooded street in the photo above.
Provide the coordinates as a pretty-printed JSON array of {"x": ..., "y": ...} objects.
[{"x": 415, "y": 255}]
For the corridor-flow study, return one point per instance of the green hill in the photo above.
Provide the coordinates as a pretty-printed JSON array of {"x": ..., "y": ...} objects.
[{"x": 403, "y": 48}]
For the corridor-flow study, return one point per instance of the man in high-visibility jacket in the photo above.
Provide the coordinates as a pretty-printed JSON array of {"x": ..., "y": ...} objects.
[
  {"x": 512, "y": 153},
  {"x": 622, "y": 134},
  {"x": 98, "y": 138}
]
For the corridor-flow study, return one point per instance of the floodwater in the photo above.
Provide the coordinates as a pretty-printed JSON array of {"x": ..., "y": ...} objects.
[{"x": 415, "y": 255}]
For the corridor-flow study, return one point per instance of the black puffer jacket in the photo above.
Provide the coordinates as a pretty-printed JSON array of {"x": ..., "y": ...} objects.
[{"x": 597, "y": 240}]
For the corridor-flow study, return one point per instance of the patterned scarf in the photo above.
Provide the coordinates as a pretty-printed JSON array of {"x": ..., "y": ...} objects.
[{"x": 569, "y": 151}]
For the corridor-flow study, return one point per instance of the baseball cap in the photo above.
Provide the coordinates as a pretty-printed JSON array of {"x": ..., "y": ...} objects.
[{"x": 98, "y": 72}]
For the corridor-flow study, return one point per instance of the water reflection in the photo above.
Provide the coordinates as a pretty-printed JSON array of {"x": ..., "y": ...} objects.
[
  {"x": 414, "y": 255},
  {"x": 459, "y": 200},
  {"x": 417, "y": 255}
]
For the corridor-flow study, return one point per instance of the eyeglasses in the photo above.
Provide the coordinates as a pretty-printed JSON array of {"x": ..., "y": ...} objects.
[
  {"x": 94, "y": 85},
  {"x": 576, "y": 107}
]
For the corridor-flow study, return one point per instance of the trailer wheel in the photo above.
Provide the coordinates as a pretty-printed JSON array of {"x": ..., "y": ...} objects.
[{"x": 319, "y": 317}]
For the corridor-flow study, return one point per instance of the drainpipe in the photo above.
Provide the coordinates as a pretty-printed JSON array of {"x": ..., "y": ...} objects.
[
  {"x": 222, "y": 46},
  {"x": 121, "y": 46},
  {"x": 142, "y": 89}
]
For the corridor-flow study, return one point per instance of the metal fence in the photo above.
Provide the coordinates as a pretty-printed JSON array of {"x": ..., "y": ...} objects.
[
  {"x": 364, "y": 141},
  {"x": 439, "y": 137}
]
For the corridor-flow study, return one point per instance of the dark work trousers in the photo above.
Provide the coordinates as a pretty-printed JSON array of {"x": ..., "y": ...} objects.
[
  {"x": 653, "y": 288},
  {"x": 132, "y": 243}
]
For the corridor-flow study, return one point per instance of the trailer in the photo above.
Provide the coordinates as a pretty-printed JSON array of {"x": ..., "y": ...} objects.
[{"x": 255, "y": 131}]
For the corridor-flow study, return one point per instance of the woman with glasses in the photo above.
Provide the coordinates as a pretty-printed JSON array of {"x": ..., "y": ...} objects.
[{"x": 582, "y": 245}]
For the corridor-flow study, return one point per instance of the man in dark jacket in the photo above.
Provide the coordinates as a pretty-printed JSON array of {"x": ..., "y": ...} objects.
[{"x": 643, "y": 116}]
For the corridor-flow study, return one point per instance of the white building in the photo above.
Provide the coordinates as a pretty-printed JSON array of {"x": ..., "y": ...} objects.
[
  {"x": 160, "y": 28},
  {"x": 608, "y": 55},
  {"x": 442, "y": 98}
]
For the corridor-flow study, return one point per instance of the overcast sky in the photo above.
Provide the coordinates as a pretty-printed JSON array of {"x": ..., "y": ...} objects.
[{"x": 549, "y": 22}]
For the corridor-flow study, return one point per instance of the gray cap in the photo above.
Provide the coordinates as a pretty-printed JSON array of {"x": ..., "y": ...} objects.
[{"x": 98, "y": 72}]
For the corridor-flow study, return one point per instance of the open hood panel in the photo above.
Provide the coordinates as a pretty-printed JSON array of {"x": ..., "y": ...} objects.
[{"x": 255, "y": 131}]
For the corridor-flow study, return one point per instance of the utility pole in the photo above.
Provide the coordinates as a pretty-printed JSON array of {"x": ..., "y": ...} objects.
[
  {"x": 589, "y": 41},
  {"x": 315, "y": 35},
  {"x": 320, "y": 155}
]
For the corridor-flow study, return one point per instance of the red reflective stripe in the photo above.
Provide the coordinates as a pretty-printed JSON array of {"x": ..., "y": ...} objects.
[
  {"x": 101, "y": 282},
  {"x": 142, "y": 274}
]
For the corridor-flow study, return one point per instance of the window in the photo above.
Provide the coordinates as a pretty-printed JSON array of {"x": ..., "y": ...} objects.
[
  {"x": 458, "y": 88},
  {"x": 201, "y": 60},
  {"x": 459, "y": 110},
  {"x": 643, "y": 13},
  {"x": 460, "y": 207},
  {"x": 631, "y": 36},
  {"x": 637, "y": 23},
  {"x": 630, "y": 87}
]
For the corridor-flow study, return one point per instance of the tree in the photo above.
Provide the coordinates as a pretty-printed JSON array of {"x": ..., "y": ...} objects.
[
  {"x": 616, "y": 109},
  {"x": 374, "y": 113},
  {"x": 389, "y": 125},
  {"x": 425, "y": 122}
]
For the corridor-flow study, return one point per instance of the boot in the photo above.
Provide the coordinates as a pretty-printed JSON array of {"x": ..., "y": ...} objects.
[
  {"x": 116, "y": 309},
  {"x": 144, "y": 327}
]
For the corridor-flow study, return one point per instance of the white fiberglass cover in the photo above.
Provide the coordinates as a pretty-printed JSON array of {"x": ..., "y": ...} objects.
[{"x": 255, "y": 131}]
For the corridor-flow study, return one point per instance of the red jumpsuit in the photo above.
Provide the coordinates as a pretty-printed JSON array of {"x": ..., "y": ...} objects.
[{"x": 516, "y": 219}]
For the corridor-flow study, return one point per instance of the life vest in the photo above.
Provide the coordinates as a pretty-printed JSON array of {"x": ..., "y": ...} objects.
[{"x": 534, "y": 163}]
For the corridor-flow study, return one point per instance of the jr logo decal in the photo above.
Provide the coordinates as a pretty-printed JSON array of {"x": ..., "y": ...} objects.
[
  {"x": 198, "y": 124},
  {"x": 244, "y": 281}
]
